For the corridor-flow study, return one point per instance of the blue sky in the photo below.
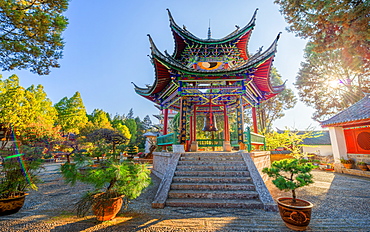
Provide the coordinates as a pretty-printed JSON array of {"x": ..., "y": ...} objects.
[{"x": 107, "y": 46}]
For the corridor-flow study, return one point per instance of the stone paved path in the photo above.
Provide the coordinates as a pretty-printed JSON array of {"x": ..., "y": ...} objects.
[{"x": 342, "y": 203}]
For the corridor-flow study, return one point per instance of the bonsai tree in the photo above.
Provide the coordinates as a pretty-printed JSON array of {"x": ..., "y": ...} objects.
[
  {"x": 105, "y": 141},
  {"x": 290, "y": 174},
  {"x": 110, "y": 179},
  {"x": 18, "y": 177}
]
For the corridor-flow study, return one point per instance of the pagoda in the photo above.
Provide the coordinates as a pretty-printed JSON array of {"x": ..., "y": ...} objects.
[{"x": 206, "y": 77}]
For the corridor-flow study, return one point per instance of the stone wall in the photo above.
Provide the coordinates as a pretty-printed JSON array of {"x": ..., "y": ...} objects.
[
  {"x": 321, "y": 150},
  {"x": 160, "y": 163},
  {"x": 341, "y": 169},
  {"x": 261, "y": 160},
  {"x": 360, "y": 157}
]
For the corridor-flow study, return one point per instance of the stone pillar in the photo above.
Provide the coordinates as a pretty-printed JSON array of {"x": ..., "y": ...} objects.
[
  {"x": 240, "y": 122},
  {"x": 183, "y": 109},
  {"x": 193, "y": 129},
  {"x": 338, "y": 143},
  {"x": 226, "y": 143}
]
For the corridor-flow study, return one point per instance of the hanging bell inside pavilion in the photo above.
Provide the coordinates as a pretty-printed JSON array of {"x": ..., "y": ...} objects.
[{"x": 210, "y": 123}]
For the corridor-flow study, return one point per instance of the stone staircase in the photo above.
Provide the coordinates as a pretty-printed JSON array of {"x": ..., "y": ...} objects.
[{"x": 213, "y": 180}]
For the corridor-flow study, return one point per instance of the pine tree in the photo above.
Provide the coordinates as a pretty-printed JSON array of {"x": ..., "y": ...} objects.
[
  {"x": 30, "y": 34},
  {"x": 130, "y": 114},
  {"x": 71, "y": 113}
]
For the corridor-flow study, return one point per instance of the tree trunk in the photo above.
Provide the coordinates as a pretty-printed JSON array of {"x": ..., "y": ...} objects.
[{"x": 294, "y": 196}]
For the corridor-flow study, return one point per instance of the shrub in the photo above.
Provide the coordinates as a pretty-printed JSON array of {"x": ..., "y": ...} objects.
[{"x": 290, "y": 174}]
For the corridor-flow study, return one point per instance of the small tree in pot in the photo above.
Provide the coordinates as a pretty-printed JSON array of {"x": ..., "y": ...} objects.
[
  {"x": 18, "y": 173},
  {"x": 114, "y": 183},
  {"x": 289, "y": 175}
]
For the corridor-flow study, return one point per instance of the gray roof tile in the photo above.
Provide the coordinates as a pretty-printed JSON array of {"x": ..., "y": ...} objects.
[{"x": 358, "y": 111}]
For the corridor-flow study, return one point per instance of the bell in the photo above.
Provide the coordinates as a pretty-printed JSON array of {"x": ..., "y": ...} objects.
[{"x": 210, "y": 123}]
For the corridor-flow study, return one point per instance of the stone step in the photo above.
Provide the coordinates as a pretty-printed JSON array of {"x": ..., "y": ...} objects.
[
  {"x": 210, "y": 168},
  {"x": 213, "y": 163},
  {"x": 213, "y": 173},
  {"x": 210, "y": 179},
  {"x": 225, "y": 154},
  {"x": 220, "y": 158},
  {"x": 215, "y": 203},
  {"x": 213, "y": 186},
  {"x": 215, "y": 194}
]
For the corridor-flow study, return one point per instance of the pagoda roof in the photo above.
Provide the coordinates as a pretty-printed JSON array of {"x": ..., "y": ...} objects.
[
  {"x": 260, "y": 63},
  {"x": 182, "y": 35},
  {"x": 198, "y": 61},
  {"x": 358, "y": 113}
]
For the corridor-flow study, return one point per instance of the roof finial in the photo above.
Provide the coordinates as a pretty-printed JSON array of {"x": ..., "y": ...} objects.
[
  {"x": 209, "y": 29},
  {"x": 170, "y": 15}
]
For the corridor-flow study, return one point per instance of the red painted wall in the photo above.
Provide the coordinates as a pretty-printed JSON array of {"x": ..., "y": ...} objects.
[{"x": 358, "y": 140}]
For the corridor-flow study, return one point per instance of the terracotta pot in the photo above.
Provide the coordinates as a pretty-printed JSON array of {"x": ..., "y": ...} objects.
[
  {"x": 295, "y": 217},
  {"x": 368, "y": 166},
  {"x": 348, "y": 166},
  {"x": 363, "y": 167},
  {"x": 107, "y": 209},
  {"x": 12, "y": 205}
]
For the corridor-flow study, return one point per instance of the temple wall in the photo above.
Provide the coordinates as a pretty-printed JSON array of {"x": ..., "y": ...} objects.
[
  {"x": 321, "y": 150},
  {"x": 360, "y": 157}
]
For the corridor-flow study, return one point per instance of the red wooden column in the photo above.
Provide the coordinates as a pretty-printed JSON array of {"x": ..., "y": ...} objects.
[
  {"x": 191, "y": 129},
  {"x": 195, "y": 124},
  {"x": 165, "y": 121},
  {"x": 254, "y": 117},
  {"x": 226, "y": 126}
]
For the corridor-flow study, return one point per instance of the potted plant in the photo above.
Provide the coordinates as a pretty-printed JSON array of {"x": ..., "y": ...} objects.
[
  {"x": 289, "y": 175},
  {"x": 362, "y": 166},
  {"x": 114, "y": 184},
  {"x": 18, "y": 173},
  {"x": 348, "y": 164}
]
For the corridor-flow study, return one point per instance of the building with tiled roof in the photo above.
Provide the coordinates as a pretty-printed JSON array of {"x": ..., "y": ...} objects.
[
  {"x": 350, "y": 132},
  {"x": 356, "y": 115},
  {"x": 206, "y": 77},
  {"x": 318, "y": 145}
]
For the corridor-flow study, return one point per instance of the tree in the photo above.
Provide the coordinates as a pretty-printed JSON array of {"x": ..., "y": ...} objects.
[
  {"x": 130, "y": 114},
  {"x": 332, "y": 25},
  {"x": 42, "y": 116},
  {"x": 132, "y": 126},
  {"x": 147, "y": 123},
  {"x": 117, "y": 120},
  {"x": 290, "y": 140},
  {"x": 28, "y": 111},
  {"x": 12, "y": 100},
  {"x": 272, "y": 109},
  {"x": 327, "y": 84},
  {"x": 30, "y": 34},
  {"x": 123, "y": 129},
  {"x": 106, "y": 140},
  {"x": 71, "y": 114},
  {"x": 100, "y": 119}
]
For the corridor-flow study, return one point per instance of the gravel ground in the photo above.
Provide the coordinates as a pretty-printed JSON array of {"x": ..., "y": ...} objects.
[{"x": 342, "y": 203}]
